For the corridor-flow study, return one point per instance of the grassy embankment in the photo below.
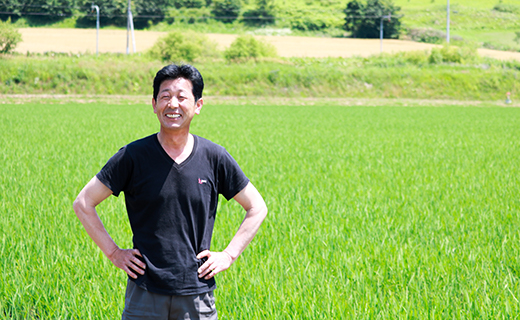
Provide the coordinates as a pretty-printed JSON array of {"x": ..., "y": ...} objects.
[
  {"x": 374, "y": 212},
  {"x": 407, "y": 75}
]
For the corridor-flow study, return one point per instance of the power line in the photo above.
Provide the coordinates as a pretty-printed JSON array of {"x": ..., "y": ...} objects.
[
  {"x": 302, "y": 10},
  {"x": 180, "y": 16}
]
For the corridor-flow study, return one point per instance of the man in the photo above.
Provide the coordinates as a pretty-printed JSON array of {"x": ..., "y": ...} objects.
[{"x": 171, "y": 182}]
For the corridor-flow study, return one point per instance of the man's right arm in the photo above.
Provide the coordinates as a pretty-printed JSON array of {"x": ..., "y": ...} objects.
[{"x": 85, "y": 207}]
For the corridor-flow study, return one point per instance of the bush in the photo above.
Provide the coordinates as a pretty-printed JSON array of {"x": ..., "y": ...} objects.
[
  {"x": 414, "y": 57},
  {"x": 309, "y": 18},
  {"x": 364, "y": 19},
  {"x": 452, "y": 54},
  {"x": 9, "y": 37},
  {"x": 309, "y": 23},
  {"x": 507, "y": 8},
  {"x": 226, "y": 11},
  {"x": 183, "y": 47},
  {"x": 430, "y": 36},
  {"x": 247, "y": 48},
  {"x": 427, "y": 35}
]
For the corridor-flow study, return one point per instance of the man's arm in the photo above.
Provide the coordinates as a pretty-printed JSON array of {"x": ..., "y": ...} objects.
[
  {"x": 85, "y": 207},
  {"x": 256, "y": 211}
]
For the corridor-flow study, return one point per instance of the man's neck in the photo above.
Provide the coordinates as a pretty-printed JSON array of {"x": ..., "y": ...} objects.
[{"x": 177, "y": 145}]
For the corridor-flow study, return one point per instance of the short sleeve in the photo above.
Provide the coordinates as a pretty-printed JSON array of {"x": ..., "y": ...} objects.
[
  {"x": 231, "y": 178},
  {"x": 117, "y": 171}
]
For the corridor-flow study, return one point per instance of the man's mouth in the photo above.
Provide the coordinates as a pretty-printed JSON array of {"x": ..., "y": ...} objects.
[{"x": 173, "y": 116}]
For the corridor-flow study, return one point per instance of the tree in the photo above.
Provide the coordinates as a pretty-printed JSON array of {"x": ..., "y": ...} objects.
[
  {"x": 14, "y": 7},
  {"x": 112, "y": 12},
  {"x": 226, "y": 10},
  {"x": 263, "y": 14},
  {"x": 38, "y": 11},
  {"x": 179, "y": 4},
  {"x": 9, "y": 37},
  {"x": 149, "y": 11},
  {"x": 364, "y": 19}
]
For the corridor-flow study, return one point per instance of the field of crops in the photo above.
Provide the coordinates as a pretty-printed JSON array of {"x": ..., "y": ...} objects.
[{"x": 375, "y": 212}]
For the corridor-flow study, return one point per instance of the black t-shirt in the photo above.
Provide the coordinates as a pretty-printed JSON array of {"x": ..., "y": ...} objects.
[{"x": 172, "y": 207}]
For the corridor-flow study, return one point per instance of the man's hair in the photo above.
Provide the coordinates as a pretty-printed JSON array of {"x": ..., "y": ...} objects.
[{"x": 173, "y": 71}]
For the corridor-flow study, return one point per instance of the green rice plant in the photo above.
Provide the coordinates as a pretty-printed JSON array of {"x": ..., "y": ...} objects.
[{"x": 375, "y": 212}]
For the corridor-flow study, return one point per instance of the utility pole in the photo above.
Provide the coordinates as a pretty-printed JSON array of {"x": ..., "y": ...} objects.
[
  {"x": 448, "y": 22},
  {"x": 94, "y": 7},
  {"x": 130, "y": 28},
  {"x": 381, "y": 29}
]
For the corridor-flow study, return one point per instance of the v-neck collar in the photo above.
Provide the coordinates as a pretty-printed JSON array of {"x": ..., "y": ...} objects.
[{"x": 169, "y": 159}]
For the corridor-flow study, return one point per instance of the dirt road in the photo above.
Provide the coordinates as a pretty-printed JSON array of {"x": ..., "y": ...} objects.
[{"x": 84, "y": 40}]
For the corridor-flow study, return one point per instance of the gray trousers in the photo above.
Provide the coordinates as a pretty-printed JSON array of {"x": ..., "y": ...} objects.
[{"x": 142, "y": 304}]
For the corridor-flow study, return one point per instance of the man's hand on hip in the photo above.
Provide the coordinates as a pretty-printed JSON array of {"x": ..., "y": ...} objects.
[
  {"x": 217, "y": 262},
  {"x": 128, "y": 261}
]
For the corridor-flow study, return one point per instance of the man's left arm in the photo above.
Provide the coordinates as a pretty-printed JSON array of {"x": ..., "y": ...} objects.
[{"x": 256, "y": 211}]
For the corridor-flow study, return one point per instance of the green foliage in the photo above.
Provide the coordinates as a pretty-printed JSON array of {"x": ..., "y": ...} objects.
[
  {"x": 183, "y": 47},
  {"x": 309, "y": 18},
  {"x": 149, "y": 11},
  {"x": 262, "y": 14},
  {"x": 111, "y": 12},
  {"x": 453, "y": 54},
  {"x": 506, "y": 7},
  {"x": 363, "y": 20},
  {"x": 189, "y": 3},
  {"x": 427, "y": 35},
  {"x": 226, "y": 11},
  {"x": 9, "y": 37},
  {"x": 39, "y": 11},
  {"x": 248, "y": 47},
  {"x": 403, "y": 75},
  {"x": 187, "y": 16},
  {"x": 14, "y": 6},
  {"x": 517, "y": 37}
]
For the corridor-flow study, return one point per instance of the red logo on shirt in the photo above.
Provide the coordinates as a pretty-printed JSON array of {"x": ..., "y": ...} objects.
[{"x": 202, "y": 181}]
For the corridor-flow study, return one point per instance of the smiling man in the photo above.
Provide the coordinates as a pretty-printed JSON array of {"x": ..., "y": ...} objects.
[{"x": 172, "y": 181}]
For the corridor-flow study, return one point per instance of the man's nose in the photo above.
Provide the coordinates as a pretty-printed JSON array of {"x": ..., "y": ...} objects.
[{"x": 174, "y": 102}]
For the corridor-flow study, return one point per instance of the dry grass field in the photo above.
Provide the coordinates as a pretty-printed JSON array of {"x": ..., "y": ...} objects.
[{"x": 84, "y": 40}]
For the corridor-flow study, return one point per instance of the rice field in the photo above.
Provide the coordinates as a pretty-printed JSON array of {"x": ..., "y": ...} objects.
[{"x": 375, "y": 212}]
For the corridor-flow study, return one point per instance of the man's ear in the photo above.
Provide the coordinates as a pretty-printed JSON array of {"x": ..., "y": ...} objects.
[
  {"x": 154, "y": 104},
  {"x": 198, "y": 106}
]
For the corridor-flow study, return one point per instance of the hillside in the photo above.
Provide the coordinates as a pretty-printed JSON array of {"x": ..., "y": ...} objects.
[
  {"x": 475, "y": 21},
  {"x": 489, "y": 24}
]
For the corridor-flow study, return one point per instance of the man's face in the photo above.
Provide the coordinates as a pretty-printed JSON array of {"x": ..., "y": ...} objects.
[{"x": 175, "y": 105}]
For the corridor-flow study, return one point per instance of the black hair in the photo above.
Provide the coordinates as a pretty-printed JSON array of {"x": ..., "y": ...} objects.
[{"x": 173, "y": 71}]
